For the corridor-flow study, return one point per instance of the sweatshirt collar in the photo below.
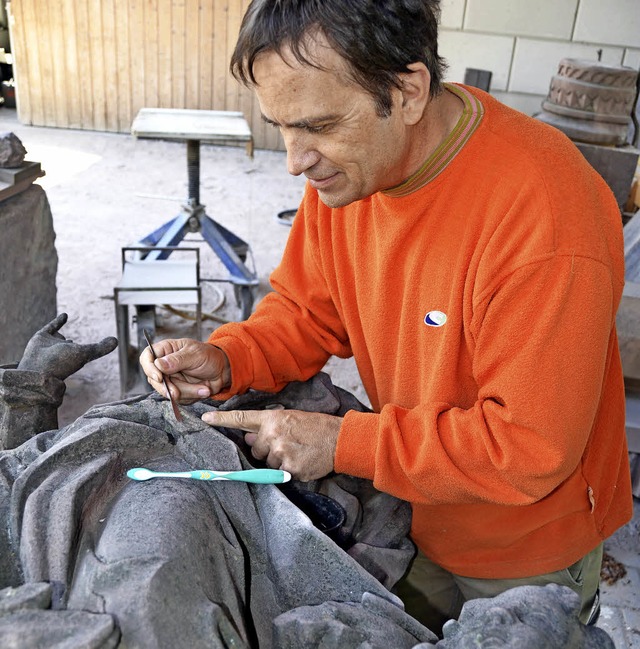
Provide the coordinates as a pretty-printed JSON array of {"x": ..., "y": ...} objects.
[{"x": 437, "y": 162}]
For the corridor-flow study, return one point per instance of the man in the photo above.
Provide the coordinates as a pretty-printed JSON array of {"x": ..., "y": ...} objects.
[{"x": 471, "y": 261}]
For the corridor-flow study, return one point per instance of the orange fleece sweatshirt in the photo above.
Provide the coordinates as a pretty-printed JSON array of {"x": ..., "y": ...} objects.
[{"x": 480, "y": 309}]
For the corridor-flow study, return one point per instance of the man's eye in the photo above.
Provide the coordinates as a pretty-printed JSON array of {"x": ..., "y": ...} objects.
[{"x": 315, "y": 129}]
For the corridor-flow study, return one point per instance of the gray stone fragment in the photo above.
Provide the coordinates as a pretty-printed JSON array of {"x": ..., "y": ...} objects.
[
  {"x": 58, "y": 630},
  {"x": 12, "y": 152},
  {"x": 527, "y": 617},
  {"x": 27, "y": 596},
  {"x": 29, "y": 266},
  {"x": 375, "y": 622}
]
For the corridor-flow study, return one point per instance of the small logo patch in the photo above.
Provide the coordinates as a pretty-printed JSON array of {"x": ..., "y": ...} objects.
[{"x": 435, "y": 318}]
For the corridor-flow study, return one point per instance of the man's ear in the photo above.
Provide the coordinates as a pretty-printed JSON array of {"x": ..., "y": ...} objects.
[{"x": 415, "y": 92}]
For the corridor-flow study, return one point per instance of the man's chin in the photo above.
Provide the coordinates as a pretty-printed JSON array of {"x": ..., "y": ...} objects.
[{"x": 334, "y": 199}]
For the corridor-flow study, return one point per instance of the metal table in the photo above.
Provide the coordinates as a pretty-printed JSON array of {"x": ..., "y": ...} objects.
[{"x": 196, "y": 126}]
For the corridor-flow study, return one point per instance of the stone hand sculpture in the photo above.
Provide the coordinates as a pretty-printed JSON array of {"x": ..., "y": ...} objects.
[
  {"x": 32, "y": 390},
  {"x": 51, "y": 354}
]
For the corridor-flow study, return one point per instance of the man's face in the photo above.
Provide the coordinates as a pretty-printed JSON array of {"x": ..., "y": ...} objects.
[{"x": 330, "y": 126}]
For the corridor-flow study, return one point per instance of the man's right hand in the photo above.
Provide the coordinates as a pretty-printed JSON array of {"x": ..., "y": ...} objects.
[{"x": 197, "y": 370}]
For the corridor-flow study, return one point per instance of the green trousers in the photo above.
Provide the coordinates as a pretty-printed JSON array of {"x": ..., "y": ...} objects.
[{"x": 432, "y": 595}]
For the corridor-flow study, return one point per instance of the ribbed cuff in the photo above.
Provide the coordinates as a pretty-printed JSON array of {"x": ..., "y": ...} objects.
[
  {"x": 240, "y": 363},
  {"x": 357, "y": 442}
]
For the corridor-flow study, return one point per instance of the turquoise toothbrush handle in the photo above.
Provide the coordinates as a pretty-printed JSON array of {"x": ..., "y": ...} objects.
[{"x": 257, "y": 476}]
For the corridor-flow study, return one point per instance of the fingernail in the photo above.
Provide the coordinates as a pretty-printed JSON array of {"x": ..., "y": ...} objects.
[{"x": 203, "y": 392}]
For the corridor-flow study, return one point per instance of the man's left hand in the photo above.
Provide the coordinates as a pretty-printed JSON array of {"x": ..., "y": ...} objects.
[{"x": 303, "y": 443}]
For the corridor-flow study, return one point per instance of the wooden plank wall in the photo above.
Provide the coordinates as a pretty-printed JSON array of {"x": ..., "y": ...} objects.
[{"x": 92, "y": 64}]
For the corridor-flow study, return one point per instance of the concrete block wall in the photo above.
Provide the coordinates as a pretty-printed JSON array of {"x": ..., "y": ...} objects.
[{"x": 522, "y": 42}]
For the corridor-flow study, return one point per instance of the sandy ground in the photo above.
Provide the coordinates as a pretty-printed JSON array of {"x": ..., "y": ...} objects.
[{"x": 108, "y": 190}]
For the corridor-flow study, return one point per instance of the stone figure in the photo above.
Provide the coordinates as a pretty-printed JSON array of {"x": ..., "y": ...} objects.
[
  {"x": 527, "y": 616},
  {"x": 30, "y": 396},
  {"x": 533, "y": 617},
  {"x": 176, "y": 563},
  {"x": 12, "y": 151},
  {"x": 92, "y": 559}
]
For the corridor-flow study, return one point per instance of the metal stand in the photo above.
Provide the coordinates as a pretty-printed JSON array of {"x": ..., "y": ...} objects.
[
  {"x": 160, "y": 285},
  {"x": 231, "y": 249}
]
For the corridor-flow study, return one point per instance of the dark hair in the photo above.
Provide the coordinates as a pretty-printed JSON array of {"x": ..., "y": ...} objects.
[{"x": 377, "y": 38}]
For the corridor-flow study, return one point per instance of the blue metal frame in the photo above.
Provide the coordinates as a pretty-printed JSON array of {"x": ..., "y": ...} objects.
[{"x": 226, "y": 245}]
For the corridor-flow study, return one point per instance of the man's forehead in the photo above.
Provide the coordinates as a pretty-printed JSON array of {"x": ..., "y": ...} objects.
[
  {"x": 314, "y": 55},
  {"x": 296, "y": 94}
]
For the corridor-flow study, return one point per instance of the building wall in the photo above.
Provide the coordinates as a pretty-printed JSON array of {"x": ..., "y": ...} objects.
[
  {"x": 92, "y": 64},
  {"x": 521, "y": 42}
]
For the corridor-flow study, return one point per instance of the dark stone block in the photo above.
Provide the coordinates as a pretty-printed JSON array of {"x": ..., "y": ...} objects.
[{"x": 29, "y": 267}]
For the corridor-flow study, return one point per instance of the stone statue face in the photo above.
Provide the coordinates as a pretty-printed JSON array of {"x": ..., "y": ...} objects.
[{"x": 528, "y": 617}]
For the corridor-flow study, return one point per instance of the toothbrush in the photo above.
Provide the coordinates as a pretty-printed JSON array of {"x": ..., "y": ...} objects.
[{"x": 258, "y": 476}]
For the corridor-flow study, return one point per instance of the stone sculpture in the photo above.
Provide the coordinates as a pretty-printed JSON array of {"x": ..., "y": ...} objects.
[
  {"x": 527, "y": 616},
  {"x": 591, "y": 101},
  {"x": 12, "y": 151},
  {"x": 90, "y": 558}
]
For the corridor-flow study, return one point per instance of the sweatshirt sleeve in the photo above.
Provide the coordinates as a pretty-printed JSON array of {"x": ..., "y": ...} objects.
[
  {"x": 544, "y": 338},
  {"x": 295, "y": 328}
]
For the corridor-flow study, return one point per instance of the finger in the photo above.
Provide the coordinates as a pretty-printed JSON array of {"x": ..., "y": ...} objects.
[
  {"x": 146, "y": 362},
  {"x": 55, "y": 325},
  {"x": 250, "y": 438},
  {"x": 94, "y": 351},
  {"x": 158, "y": 386},
  {"x": 272, "y": 460},
  {"x": 260, "y": 454},
  {"x": 149, "y": 367},
  {"x": 247, "y": 420},
  {"x": 187, "y": 392},
  {"x": 170, "y": 362}
]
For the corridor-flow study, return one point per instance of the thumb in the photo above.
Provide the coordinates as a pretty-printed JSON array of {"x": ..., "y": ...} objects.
[{"x": 172, "y": 363}]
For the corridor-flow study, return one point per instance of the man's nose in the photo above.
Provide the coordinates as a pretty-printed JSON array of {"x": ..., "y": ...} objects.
[{"x": 301, "y": 155}]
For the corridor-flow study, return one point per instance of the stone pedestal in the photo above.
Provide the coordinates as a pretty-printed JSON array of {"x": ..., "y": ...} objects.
[
  {"x": 28, "y": 265},
  {"x": 591, "y": 101},
  {"x": 616, "y": 164}
]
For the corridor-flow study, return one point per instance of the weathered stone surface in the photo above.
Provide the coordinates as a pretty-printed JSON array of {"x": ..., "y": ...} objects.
[
  {"x": 12, "y": 151},
  {"x": 527, "y": 617},
  {"x": 28, "y": 596},
  {"x": 29, "y": 266},
  {"x": 30, "y": 397},
  {"x": 617, "y": 165},
  {"x": 591, "y": 101},
  {"x": 28, "y": 401},
  {"x": 59, "y": 630},
  {"x": 183, "y": 563},
  {"x": 372, "y": 623}
]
